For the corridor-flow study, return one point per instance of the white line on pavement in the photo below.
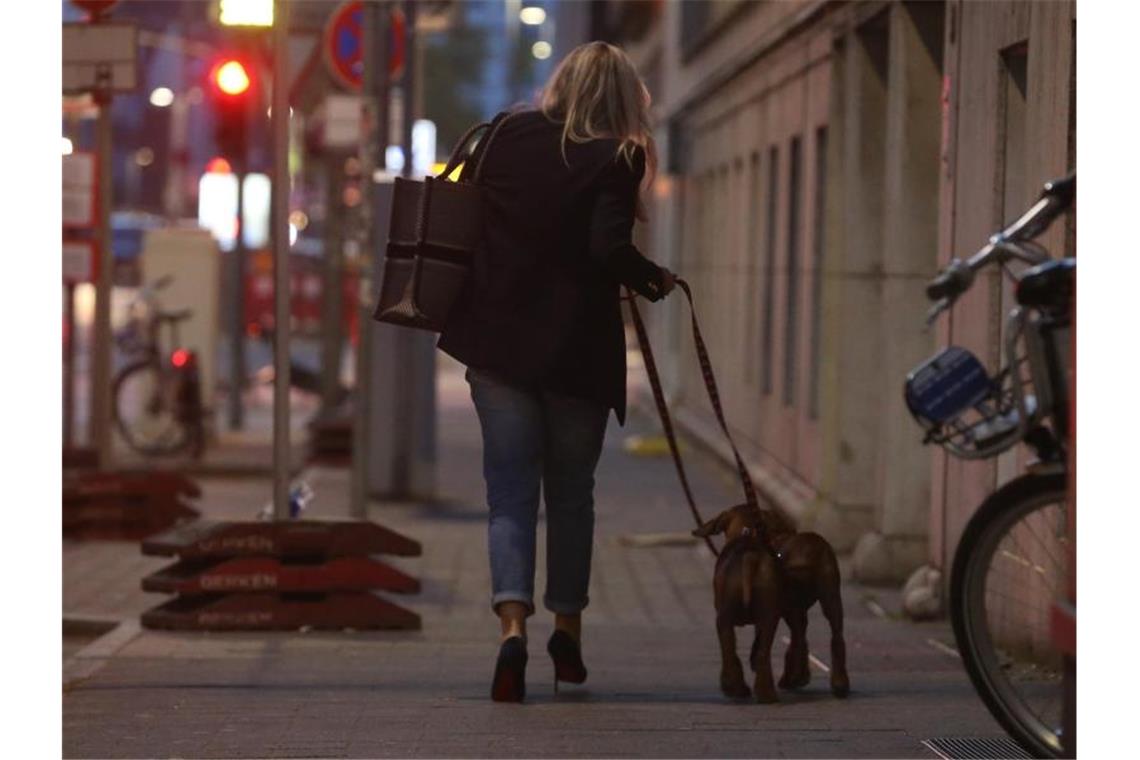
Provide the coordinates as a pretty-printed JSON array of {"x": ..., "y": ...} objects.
[
  {"x": 943, "y": 648},
  {"x": 812, "y": 658}
]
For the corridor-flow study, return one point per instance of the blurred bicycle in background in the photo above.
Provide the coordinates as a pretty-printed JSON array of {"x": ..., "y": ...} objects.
[{"x": 158, "y": 394}]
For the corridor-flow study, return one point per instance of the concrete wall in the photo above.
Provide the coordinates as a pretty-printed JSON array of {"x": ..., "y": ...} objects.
[
  {"x": 813, "y": 307},
  {"x": 1004, "y": 140}
]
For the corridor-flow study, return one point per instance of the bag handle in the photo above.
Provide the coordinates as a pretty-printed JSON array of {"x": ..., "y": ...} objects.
[
  {"x": 487, "y": 148},
  {"x": 457, "y": 154},
  {"x": 714, "y": 398}
]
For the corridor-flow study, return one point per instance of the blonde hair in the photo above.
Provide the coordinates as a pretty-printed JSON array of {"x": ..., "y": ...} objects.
[{"x": 596, "y": 92}]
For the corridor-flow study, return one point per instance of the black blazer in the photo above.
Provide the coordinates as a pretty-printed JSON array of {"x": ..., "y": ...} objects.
[{"x": 541, "y": 308}]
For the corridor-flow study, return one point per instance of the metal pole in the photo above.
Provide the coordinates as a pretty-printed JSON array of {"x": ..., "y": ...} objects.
[
  {"x": 69, "y": 368},
  {"x": 280, "y": 232},
  {"x": 409, "y": 83},
  {"x": 382, "y": 82},
  {"x": 237, "y": 325},
  {"x": 101, "y": 349},
  {"x": 332, "y": 283},
  {"x": 374, "y": 87},
  {"x": 404, "y": 412}
]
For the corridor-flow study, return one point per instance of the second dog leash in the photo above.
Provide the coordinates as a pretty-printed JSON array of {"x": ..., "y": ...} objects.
[{"x": 663, "y": 409}]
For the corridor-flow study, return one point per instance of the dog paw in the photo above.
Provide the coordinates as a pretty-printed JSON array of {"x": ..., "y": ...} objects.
[
  {"x": 767, "y": 696},
  {"x": 735, "y": 689},
  {"x": 840, "y": 687},
  {"x": 795, "y": 680}
]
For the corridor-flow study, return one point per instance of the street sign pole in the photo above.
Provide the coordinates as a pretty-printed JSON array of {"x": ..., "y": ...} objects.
[
  {"x": 280, "y": 234},
  {"x": 237, "y": 327},
  {"x": 101, "y": 57},
  {"x": 375, "y": 58},
  {"x": 332, "y": 283},
  {"x": 100, "y": 391},
  {"x": 403, "y": 413}
]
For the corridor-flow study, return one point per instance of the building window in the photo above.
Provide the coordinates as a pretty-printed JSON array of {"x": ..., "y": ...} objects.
[
  {"x": 1015, "y": 67},
  {"x": 722, "y": 220},
  {"x": 753, "y": 244},
  {"x": 820, "y": 223},
  {"x": 770, "y": 268},
  {"x": 791, "y": 323}
]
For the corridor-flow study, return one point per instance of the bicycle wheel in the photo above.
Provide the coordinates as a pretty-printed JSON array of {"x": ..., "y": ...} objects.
[
  {"x": 146, "y": 410},
  {"x": 1010, "y": 567}
]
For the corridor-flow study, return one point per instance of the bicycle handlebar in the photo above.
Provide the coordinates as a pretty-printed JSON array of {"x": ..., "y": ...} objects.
[
  {"x": 1056, "y": 198},
  {"x": 952, "y": 282}
]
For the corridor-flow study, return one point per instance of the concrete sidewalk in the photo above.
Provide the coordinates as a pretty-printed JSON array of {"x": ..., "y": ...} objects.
[{"x": 650, "y": 645}]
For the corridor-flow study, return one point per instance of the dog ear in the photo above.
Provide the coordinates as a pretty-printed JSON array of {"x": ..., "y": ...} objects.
[{"x": 712, "y": 527}]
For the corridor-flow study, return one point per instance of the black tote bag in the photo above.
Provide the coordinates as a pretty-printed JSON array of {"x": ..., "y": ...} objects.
[{"x": 435, "y": 230}]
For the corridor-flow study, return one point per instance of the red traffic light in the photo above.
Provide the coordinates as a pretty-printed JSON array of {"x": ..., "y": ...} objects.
[
  {"x": 180, "y": 358},
  {"x": 230, "y": 77}
]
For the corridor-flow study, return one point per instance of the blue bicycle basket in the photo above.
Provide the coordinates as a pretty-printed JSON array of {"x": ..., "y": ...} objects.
[{"x": 947, "y": 384}]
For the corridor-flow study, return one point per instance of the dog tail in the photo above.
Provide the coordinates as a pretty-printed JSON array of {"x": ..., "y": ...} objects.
[{"x": 750, "y": 562}]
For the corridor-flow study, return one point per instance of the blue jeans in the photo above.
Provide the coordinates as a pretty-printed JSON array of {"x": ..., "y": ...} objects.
[{"x": 534, "y": 440}]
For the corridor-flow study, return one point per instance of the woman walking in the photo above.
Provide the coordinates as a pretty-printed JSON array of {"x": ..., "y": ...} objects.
[{"x": 540, "y": 330}]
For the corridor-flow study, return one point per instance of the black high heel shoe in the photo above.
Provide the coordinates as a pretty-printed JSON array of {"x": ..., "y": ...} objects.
[
  {"x": 567, "y": 656},
  {"x": 509, "y": 681}
]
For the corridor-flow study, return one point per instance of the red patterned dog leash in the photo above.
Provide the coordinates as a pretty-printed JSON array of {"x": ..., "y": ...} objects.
[{"x": 714, "y": 398}]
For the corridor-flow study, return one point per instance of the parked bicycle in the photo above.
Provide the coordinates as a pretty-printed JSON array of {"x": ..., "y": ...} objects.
[
  {"x": 1012, "y": 560},
  {"x": 158, "y": 394}
]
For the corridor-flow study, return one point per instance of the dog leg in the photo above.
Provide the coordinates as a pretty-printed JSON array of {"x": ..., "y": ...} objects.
[
  {"x": 832, "y": 605},
  {"x": 731, "y": 673},
  {"x": 796, "y": 670},
  {"x": 763, "y": 688}
]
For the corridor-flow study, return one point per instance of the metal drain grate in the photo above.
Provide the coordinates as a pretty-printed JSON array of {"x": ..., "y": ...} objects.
[{"x": 970, "y": 748}]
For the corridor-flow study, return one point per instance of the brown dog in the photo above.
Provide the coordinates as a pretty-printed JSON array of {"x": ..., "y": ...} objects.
[{"x": 768, "y": 571}]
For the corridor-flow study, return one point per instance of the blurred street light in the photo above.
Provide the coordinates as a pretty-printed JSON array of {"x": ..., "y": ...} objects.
[
  {"x": 218, "y": 165},
  {"x": 541, "y": 50},
  {"x": 144, "y": 156},
  {"x": 68, "y": 148},
  {"x": 161, "y": 97},
  {"x": 231, "y": 78},
  {"x": 532, "y": 15},
  {"x": 245, "y": 12}
]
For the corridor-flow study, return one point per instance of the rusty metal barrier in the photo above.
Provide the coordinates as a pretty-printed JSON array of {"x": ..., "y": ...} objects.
[
  {"x": 125, "y": 505},
  {"x": 280, "y": 575},
  {"x": 330, "y": 440}
]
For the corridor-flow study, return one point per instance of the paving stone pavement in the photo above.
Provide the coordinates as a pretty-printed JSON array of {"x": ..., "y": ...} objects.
[{"x": 649, "y": 642}]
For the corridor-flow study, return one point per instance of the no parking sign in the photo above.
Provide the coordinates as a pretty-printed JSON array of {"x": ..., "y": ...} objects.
[{"x": 344, "y": 44}]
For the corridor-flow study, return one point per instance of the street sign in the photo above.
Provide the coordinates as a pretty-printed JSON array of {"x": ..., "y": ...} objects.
[
  {"x": 342, "y": 121},
  {"x": 79, "y": 175},
  {"x": 78, "y": 261},
  {"x": 343, "y": 45},
  {"x": 100, "y": 57}
]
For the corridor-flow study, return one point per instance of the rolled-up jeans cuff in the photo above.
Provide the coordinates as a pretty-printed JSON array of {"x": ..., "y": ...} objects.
[
  {"x": 512, "y": 596},
  {"x": 565, "y": 608}
]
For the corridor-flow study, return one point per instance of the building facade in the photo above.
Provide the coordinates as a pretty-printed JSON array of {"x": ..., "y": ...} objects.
[{"x": 820, "y": 162}]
